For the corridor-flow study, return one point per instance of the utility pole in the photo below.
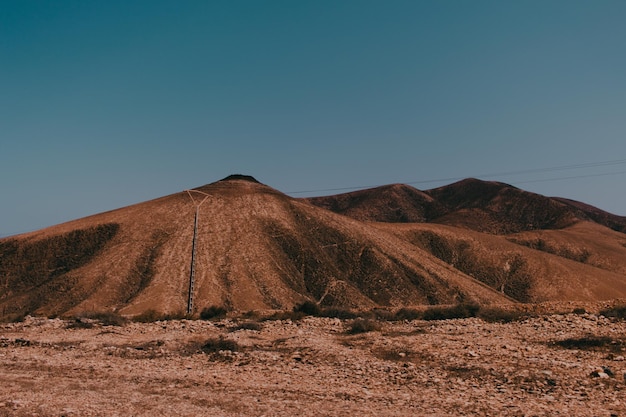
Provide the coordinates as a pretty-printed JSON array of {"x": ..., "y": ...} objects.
[{"x": 193, "y": 246}]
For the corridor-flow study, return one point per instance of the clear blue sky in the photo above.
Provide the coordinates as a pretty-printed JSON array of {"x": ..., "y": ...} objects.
[{"x": 104, "y": 104}]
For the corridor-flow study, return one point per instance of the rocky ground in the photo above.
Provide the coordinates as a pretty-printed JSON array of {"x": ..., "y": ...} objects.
[{"x": 551, "y": 365}]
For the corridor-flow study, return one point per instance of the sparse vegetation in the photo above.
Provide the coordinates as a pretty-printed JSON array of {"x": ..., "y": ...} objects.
[
  {"x": 151, "y": 315},
  {"x": 444, "y": 312},
  {"x": 215, "y": 345},
  {"x": 408, "y": 314},
  {"x": 590, "y": 342},
  {"x": 249, "y": 325},
  {"x": 147, "y": 316},
  {"x": 309, "y": 308},
  {"x": 285, "y": 315},
  {"x": 500, "y": 315},
  {"x": 79, "y": 323},
  {"x": 363, "y": 326},
  {"x": 213, "y": 312},
  {"x": 41, "y": 267},
  {"x": 459, "y": 311},
  {"x": 25, "y": 263},
  {"x": 510, "y": 274},
  {"x": 107, "y": 318},
  {"x": 338, "y": 313},
  {"x": 382, "y": 314},
  {"x": 569, "y": 252},
  {"x": 618, "y": 312},
  {"x": 13, "y": 318}
]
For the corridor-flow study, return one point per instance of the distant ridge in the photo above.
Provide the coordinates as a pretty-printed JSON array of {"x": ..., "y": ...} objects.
[
  {"x": 486, "y": 206},
  {"x": 395, "y": 203}
]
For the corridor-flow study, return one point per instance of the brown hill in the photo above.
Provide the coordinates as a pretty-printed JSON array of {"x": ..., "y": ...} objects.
[
  {"x": 486, "y": 206},
  {"x": 596, "y": 215},
  {"x": 256, "y": 249},
  {"x": 584, "y": 262},
  {"x": 396, "y": 203},
  {"x": 530, "y": 247}
]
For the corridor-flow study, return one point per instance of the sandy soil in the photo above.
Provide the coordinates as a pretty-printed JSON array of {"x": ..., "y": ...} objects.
[{"x": 313, "y": 367}]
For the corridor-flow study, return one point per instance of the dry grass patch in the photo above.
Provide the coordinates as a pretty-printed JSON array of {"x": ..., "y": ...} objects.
[
  {"x": 591, "y": 342},
  {"x": 150, "y": 316}
]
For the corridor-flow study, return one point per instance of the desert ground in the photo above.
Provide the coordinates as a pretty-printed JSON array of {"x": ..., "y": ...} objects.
[{"x": 550, "y": 364}]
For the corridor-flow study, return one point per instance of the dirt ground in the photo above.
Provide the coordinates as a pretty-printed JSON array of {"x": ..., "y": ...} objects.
[{"x": 313, "y": 367}]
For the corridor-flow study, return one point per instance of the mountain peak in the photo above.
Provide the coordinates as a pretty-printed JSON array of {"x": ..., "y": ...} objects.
[{"x": 240, "y": 177}]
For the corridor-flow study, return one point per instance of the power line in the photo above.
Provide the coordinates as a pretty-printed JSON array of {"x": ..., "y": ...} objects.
[
  {"x": 497, "y": 174},
  {"x": 572, "y": 177}
]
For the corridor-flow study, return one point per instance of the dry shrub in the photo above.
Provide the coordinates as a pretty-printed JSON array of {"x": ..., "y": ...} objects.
[
  {"x": 151, "y": 315},
  {"x": 459, "y": 311},
  {"x": 147, "y": 316},
  {"x": 499, "y": 315},
  {"x": 285, "y": 315},
  {"x": 107, "y": 318},
  {"x": 618, "y": 312},
  {"x": 216, "y": 345},
  {"x": 13, "y": 318},
  {"x": 309, "y": 308},
  {"x": 408, "y": 314},
  {"x": 383, "y": 314},
  {"x": 251, "y": 315},
  {"x": 213, "y": 312},
  {"x": 79, "y": 323},
  {"x": 363, "y": 326}
]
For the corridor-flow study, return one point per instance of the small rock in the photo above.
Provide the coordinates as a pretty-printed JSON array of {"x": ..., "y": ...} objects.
[{"x": 599, "y": 373}]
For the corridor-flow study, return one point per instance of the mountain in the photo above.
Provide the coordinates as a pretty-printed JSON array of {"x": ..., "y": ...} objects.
[
  {"x": 257, "y": 248},
  {"x": 396, "y": 203},
  {"x": 528, "y": 246},
  {"x": 486, "y": 206}
]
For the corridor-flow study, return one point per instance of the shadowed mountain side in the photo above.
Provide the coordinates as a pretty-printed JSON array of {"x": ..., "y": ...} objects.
[
  {"x": 612, "y": 221},
  {"x": 485, "y": 206},
  {"x": 499, "y": 208},
  {"x": 256, "y": 249},
  {"x": 395, "y": 203},
  {"x": 511, "y": 266}
]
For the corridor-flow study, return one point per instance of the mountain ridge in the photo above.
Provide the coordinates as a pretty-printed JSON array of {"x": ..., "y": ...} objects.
[
  {"x": 258, "y": 248},
  {"x": 495, "y": 207}
]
